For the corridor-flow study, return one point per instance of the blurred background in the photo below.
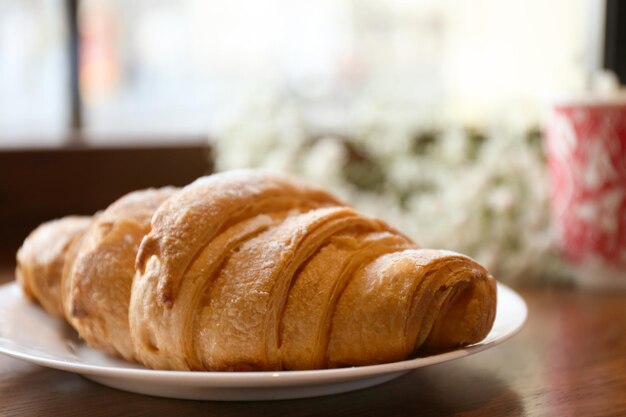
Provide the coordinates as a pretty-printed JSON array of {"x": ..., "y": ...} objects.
[{"x": 427, "y": 113}]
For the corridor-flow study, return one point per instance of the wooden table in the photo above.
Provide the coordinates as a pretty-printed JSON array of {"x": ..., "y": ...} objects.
[{"x": 569, "y": 360}]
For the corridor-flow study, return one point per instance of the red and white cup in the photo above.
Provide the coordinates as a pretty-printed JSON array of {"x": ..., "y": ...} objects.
[{"x": 586, "y": 148}]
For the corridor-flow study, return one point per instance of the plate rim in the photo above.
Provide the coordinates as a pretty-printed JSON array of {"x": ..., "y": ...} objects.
[{"x": 252, "y": 378}]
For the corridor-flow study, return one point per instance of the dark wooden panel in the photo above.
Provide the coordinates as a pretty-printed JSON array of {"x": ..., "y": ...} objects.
[{"x": 37, "y": 185}]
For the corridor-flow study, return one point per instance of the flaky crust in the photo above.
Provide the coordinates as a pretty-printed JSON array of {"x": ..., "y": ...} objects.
[
  {"x": 408, "y": 301},
  {"x": 42, "y": 257}
]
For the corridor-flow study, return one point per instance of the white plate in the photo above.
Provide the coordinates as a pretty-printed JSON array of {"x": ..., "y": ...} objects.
[{"x": 29, "y": 334}]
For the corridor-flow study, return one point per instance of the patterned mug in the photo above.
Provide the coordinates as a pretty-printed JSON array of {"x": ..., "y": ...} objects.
[{"x": 586, "y": 148}]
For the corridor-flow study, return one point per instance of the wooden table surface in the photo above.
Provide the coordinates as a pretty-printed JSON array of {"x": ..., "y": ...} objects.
[{"x": 569, "y": 360}]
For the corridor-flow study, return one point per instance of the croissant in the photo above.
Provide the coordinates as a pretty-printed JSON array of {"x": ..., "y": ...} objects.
[
  {"x": 41, "y": 259},
  {"x": 99, "y": 271},
  {"x": 250, "y": 271}
]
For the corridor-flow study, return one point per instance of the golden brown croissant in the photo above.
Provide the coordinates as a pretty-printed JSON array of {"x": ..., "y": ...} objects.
[
  {"x": 98, "y": 274},
  {"x": 42, "y": 257},
  {"x": 249, "y": 270}
]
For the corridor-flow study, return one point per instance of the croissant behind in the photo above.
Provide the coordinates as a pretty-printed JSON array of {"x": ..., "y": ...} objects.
[
  {"x": 42, "y": 257},
  {"x": 98, "y": 274},
  {"x": 250, "y": 270}
]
